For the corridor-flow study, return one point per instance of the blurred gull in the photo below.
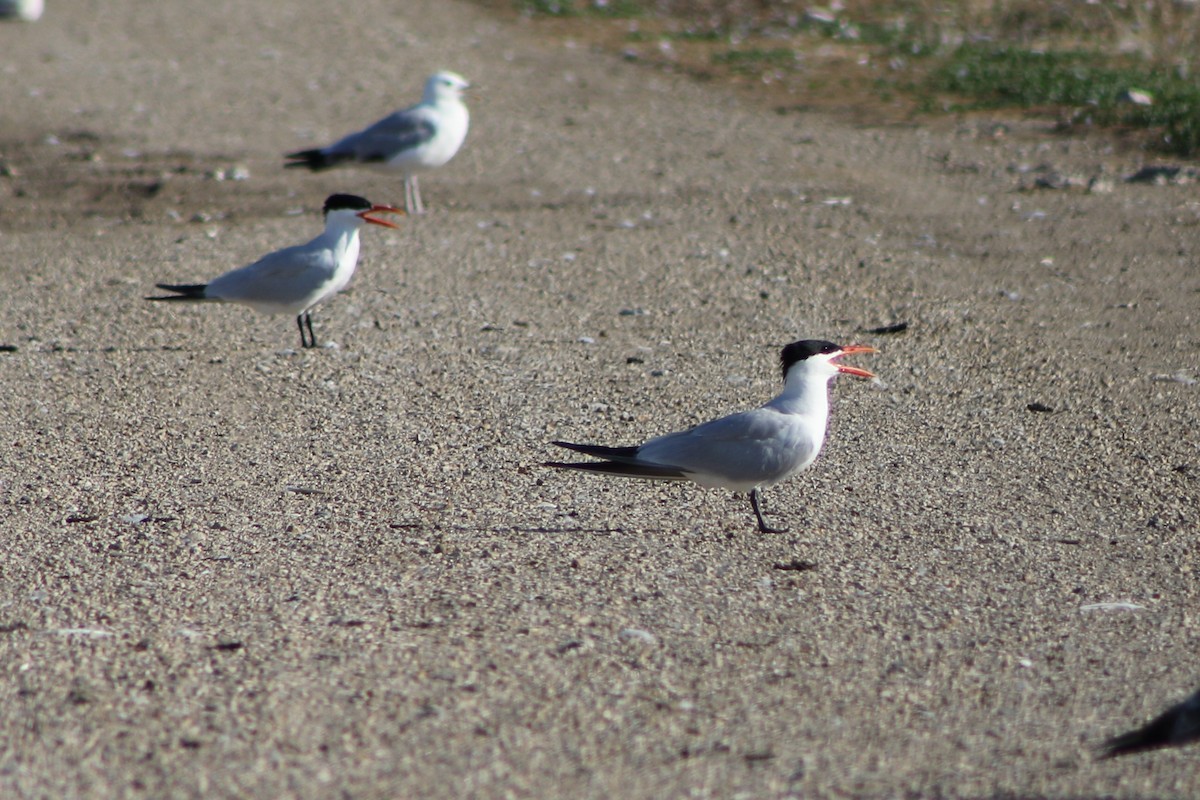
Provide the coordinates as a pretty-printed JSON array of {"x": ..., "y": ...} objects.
[
  {"x": 413, "y": 139},
  {"x": 22, "y": 10}
]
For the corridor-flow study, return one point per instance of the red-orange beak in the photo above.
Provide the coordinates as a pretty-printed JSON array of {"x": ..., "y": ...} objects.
[
  {"x": 849, "y": 350},
  {"x": 381, "y": 210}
]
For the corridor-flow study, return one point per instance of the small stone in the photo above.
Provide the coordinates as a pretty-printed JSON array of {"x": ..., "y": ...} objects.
[{"x": 638, "y": 635}]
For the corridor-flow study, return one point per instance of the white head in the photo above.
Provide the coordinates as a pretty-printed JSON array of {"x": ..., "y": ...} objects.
[
  {"x": 444, "y": 86},
  {"x": 351, "y": 211},
  {"x": 817, "y": 359}
]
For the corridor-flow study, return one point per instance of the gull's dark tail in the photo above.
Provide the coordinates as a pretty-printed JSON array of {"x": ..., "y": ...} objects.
[
  {"x": 621, "y": 461},
  {"x": 1176, "y": 725},
  {"x": 183, "y": 291},
  {"x": 316, "y": 160},
  {"x": 1155, "y": 735}
]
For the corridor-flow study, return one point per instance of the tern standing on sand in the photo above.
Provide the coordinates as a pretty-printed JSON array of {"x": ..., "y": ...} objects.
[
  {"x": 295, "y": 279},
  {"x": 748, "y": 451},
  {"x": 412, "y": 140}
]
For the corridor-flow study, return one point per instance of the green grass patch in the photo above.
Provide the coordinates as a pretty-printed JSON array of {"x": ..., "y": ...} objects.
[
  {"x": 1013, "y": 77},
  {"x": 888, "y": 35},
  {"x": 677, "y": 36},
  {"x": 609, "y": 9},
  {"x": 756, "y": 58},
  {"x": 910, "y": 50}
]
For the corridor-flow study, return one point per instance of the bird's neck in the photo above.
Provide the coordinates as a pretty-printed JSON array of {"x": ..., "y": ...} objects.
[
  {"x": 342, "y": 240},
  {"x": 804, "y": 394},
  {"x": 443, "y": 102}
]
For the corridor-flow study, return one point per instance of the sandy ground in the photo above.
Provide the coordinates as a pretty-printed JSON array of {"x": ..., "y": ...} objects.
[{"x": 232, "y": 568}]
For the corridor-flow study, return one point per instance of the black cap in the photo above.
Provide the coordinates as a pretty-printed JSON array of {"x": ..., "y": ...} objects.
[
  {"x": 805, "y": 348},
  {"x": 346, "y": 202}
]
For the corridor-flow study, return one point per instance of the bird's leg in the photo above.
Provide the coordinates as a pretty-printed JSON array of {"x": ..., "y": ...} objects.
[
  {"x": 763, "y": 527},
  {"x": 408, "y": 194},
  {"x": 416, "y": 190},
  {"x": 312, "y": 337}
]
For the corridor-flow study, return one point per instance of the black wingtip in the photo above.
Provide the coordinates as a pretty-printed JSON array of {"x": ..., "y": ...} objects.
[
  {"x": 623, "y": 469},
  {"x": 1126, "y": 744},
  {"x": 1178, "y": 725},
  {"x": 183, "y": 291},
  {"x": 315, "y": 160},
  {"x": 600, "y": 451}
]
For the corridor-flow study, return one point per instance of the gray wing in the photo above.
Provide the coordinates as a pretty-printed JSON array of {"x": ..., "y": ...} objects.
[
  {"x": 390, "y": 136},
  {"x": 752, "y": 445},
  {"x": 281, "y": 277}
]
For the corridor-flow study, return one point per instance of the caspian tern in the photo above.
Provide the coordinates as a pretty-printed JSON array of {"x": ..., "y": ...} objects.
[
  {"x": 749, "y": 450},
  {"x": 413, "y": 139},
  {"x": 295, "y": 279},
  {"x": 1179, "y": 724}
]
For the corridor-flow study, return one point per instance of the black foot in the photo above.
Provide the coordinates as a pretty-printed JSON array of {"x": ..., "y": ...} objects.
[{"x": 763, "y": 527}]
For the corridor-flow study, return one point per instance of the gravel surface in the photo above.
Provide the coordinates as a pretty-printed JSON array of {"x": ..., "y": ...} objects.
[{"x": 234, "y": 568}]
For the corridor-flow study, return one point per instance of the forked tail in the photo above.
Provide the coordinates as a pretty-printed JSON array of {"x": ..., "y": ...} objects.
[
  {"x": 649, "y": 471},
  {"x": 620, "y": 461},
  {"x": 183, "y": 291}
]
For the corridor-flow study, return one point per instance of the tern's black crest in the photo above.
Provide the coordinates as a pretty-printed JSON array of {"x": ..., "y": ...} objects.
[
  {"x": 346, "y": 202},
  {"x": 798, "y": 351}
]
